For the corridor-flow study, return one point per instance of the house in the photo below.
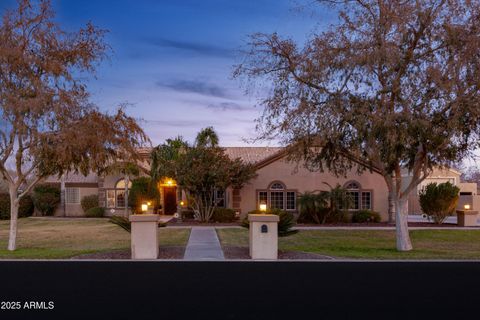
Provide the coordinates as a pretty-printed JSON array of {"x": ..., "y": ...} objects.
[{"x": 278, "y": 183}]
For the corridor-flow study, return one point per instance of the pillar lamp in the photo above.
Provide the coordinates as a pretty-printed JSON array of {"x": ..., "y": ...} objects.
[
  {"x": 144, "y": 207},
  {"x": 263, "y": 207},
  {"x": 466, "y": 206}
]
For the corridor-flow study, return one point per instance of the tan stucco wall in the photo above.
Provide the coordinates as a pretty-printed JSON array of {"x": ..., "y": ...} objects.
[
  {"x": 75, "y": 209},
  {"x": 305, "y": 180}
]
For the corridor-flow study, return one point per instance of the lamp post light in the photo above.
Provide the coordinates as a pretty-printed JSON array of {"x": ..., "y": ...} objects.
[
  {"x": 466, "y": 206},
  {"x": 144, "y": 207},
  {"x": 263, "y": 207}
]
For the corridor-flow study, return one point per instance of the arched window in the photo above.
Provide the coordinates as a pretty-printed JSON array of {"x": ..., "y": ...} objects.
[
  {"x": 361, "y": 198},
  {"x": 277, "y": 196},
  {"x": 116, "y": 196}
]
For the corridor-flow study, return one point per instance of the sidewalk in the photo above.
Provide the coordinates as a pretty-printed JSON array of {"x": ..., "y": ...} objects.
[{"x": 203, "y": 244}]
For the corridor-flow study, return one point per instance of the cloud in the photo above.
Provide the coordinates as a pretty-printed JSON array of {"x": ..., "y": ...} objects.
[
  {"x": 179, "y": 123},
  {"x": 228, "y": 106},
  {"x": 198, "y": 48},
  {"x": 193, "y": 86}
]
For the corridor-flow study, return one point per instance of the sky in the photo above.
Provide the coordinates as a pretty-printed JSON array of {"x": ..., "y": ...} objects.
[{"x": 172, "y": 61}]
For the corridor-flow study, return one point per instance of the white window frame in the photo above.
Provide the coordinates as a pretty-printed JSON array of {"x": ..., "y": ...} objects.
[{"x": 76, "y": 195}]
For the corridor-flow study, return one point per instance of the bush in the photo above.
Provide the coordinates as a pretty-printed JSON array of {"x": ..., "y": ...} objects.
[
  {"x": 46, "y": 198},
  {"x": 285, "y": 224},
  {"x": 143, "y": 189},
  {"x": 364, "y": 216},
  {"x": 95, "y": 212},
  {"x": 439, "y": 201},
  {"x": 188, "y": 214},
  {"x": 25, "y": 208},
  {"x": 89, "y": 202},
  {"x": 122, "y": 222},
  {"x": 223, "y": 215}
]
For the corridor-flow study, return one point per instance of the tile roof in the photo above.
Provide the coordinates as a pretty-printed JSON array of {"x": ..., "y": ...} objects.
[
  {"x": 252, "y": 155},
  {"x": 74, "y": 178}
]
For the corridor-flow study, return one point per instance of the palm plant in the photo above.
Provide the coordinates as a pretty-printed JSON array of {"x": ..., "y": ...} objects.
[
  {"x": 207, "y": 137},
  {"x": 340, "y": 201},
  {"x": 312, "y": 206}
]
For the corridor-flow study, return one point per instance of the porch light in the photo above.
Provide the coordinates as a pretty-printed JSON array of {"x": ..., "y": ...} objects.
[
  {"x": 144, "y": 207},
  {"x": 466, "y": 206},
  {"x": 263, "y": 207},
  {"x": 182, "y": 203},
  {"x": 169, "y": 182},
  {"x": 149, "y": 203}
]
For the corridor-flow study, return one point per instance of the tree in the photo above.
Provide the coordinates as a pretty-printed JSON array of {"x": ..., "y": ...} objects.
[
  {"x": 393, "y": 87},
  {"x": 439, "y": 201},
  {"x": 200, "y": 170},
  {"x": 207, "y": 137},
  {"x": 48, "y": 125}
]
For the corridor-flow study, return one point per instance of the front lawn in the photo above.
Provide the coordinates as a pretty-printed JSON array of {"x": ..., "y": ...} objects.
[
  {"x": 371, "y": 244},
  {"x": 60, "y": 238}
]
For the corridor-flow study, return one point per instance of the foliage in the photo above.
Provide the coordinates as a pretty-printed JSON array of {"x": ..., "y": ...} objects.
[
  {"x": 363, "y": 216},
  {"x": 285, "y": 224},
  {"x": 95, "y": 212},
  {"x": 439, "y": 200},
  {"x": 122, "y": 222},
  {"x": 223, "y": 215},
  {"x": 46, "y": 198},
  {"x": 25, "y": 207},
  {"x": 143, "y": 189},
  {"x": 200, "y": 170},
  {"x": 89, "y": 202},
  {"x": 390, "y": 86},
  {"x": 187, "y": 214},
  {"x": 50, "y": 126},
  {"x": 312, "y": 206}
]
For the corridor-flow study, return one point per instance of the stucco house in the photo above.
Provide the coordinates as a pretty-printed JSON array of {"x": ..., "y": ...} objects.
[{"x": 278, "y": 183}]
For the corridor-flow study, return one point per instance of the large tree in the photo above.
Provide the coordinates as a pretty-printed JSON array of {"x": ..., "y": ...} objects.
[
  {"x": 48, "y": 126},
  {"x": 392, "y": 85},
  {"x": 200, "y": 170}
]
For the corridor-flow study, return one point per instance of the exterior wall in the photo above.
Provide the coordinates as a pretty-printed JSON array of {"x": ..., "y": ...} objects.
[
  {"x": 75, "y": 209},
  {"x": 304, "y": 180}
]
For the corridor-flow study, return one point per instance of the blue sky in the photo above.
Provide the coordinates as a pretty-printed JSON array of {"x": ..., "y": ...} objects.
[{"x": 172, "y": 60}]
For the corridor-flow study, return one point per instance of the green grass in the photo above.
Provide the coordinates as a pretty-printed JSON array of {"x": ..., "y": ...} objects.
[
  {"x": 60, "y": 238},
  {"x": 372, "y": 244}
]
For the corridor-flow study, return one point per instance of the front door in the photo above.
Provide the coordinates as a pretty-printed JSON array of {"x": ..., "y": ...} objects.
[{"x": 170, "y": 200}]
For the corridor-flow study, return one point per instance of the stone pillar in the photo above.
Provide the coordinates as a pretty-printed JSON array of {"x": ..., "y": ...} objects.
[
  {"x": 263, "y": 236},
  {"x": 144, "y": 236},
  {"x": 467, "y": 218},
  {"x": 102, "y": 196}
]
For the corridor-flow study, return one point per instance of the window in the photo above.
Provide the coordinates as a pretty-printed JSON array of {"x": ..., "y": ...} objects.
[
  {"x": 220, "y": 198},
  {"x": 116, "y": 196},
  {"x": 361, "y": 199},
  {"x": 366, "y": 200},
  {"x": 72, "y": 195},
  {"x": 291, "y": 200},
  {"x": 277, "y": 197}
]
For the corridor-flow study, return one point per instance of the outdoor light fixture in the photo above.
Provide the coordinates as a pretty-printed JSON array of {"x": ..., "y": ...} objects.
[
  {"x": 149, "y": 203},
  {"x": 144, "y": 207},
  {"x": 263, "y": 207},
  {"x": 182, "y": 203},
  {"x": 169, "y": 182},
  {"x": 466, "y": 206}
]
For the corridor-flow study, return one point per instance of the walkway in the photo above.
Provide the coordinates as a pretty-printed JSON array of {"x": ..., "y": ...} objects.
[{"x": 203, "y": 245}]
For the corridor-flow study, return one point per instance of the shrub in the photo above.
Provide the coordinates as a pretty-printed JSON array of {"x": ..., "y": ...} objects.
[
  {"x": 46, "y": 198},
  {"x": 89, "y": 202},
  {"x": 363, "y": 216},
  {"x": 25, "y": 208},
  {"x": 121, "y": 222},
  {"x": 439, "y": 200},
  {"x": 313, "y": 207},
  {"x": 188, "y": 214},
  {"x": 143, "y": 189},
  {"x": 223, "y": 215},
  {"x": 95, "y": 212},
  {"x": 285, "y": 224}
]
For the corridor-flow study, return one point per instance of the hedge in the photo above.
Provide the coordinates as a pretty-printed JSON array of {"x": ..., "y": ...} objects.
[{"x": 25, "y": 209}]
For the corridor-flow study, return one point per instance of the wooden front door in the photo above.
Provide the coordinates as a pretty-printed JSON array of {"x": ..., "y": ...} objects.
[{"x": 170, "y": 200}]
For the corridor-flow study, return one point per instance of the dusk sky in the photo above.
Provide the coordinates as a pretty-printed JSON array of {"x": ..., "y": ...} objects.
[{"x": 173, "y": 60}]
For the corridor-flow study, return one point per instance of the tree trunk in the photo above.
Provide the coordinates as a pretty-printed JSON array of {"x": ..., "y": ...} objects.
[
  {"x": 14, "y": 204},
  {"x": 179, "y": 199},
  {"x": 401, "y": 223},
  {"x": 127, "y": 181}
]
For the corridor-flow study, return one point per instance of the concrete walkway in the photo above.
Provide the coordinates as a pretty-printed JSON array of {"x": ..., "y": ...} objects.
[{"x": 203, "y": 244}]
